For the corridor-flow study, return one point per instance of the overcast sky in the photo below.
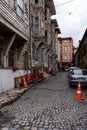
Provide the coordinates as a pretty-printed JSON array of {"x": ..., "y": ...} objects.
[{"x": 72, "y": 18}]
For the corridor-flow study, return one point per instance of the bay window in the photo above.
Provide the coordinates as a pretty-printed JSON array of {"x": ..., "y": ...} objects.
[{"x": 20, "y": 8}]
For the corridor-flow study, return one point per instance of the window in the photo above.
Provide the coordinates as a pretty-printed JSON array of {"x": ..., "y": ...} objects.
[
  {"x": 20, "y": 3},
  {"x": 46, "y": 35},
  {"x": 45, "y": 14},
  {"x": 26, "y": 60},
  {"x": 41, "y": 55},
  {"x": 65, "y": 41},
  {"x": 13, "y": 57},
  {"x": 36, "y": 57},
  {"x": 20, "y": 8},
  {"x": 8, "y": 1},
  {"x": 31, "y": 21},
  {"x": 34, "y": 51},
  {"x": 69, "y": 57},
  {"x": 36, "y": 24},
  {"x": 69, "y": 47},
  {"x": 65, "y": 57},
  {"x": 65, "y": 48},
  {"x": 36, "y": 1}
]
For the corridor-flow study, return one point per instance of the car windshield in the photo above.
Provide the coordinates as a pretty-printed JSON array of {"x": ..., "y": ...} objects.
[{"x": 78, "y": 72}]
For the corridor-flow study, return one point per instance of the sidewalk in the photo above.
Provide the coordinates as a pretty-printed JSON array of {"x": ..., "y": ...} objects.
[{"x": 9, "y": 96}]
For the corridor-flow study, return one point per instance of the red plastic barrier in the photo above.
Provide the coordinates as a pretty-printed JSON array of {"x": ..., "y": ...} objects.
[
  {"x": 28, "y": 78},
  {"x": 32, "y": 77},
  {"x": 39, "y": 76},
  {"x": 50, "y": 72}
]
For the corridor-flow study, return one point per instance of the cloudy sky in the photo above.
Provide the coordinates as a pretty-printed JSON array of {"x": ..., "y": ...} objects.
[{"x": 72, "y": 18}]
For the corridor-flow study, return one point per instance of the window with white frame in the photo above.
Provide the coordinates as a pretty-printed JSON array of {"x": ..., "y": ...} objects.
[
  {"x": 65, "y": 48},
  {"x": 65, "y": 41},
  {"x": 65, "y": 57},
  {"x": 36, "y": 24},
  {"x": 69, "y": 57},
  {"x": 20, "y": 8},
  {"x": 70, "y": 47}
]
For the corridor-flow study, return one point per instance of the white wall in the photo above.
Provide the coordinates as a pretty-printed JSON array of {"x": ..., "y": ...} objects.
[{"x": 7, "y": 78}]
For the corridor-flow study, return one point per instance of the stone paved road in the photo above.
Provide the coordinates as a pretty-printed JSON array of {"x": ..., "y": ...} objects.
[{"x": 50, "y": 105}]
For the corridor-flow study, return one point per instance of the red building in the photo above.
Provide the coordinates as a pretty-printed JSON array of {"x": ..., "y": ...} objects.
[{"x": 66, "y": 52}]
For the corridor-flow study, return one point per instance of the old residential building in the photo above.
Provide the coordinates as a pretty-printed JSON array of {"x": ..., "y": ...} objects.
[
  {"x": 26, "y": 41},
  {"x": 55, "y": 32},
  {"x": 81, "y": 54},
  {"x": 37, "y": 34},
  {"x": 41, "y": 38},
  {"x": 14, "y": 41},
  {"x": 47, "y": 54},
  {"x": 66, "y": 52}
]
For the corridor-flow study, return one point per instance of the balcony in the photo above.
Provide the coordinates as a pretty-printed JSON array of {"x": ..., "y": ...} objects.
[
  {"x": 9, "y": 18},
  {"x": 38, "y": 36},
  {"x": 38, "y": 5}
]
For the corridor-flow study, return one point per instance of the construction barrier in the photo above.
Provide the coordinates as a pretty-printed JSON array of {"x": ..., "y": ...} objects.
[
  {"x": 24, "y": 82},
  {"x": 18, "y": 81},
  {"x": 30, "y": 78},
  {"x": 39, "y": 76}
]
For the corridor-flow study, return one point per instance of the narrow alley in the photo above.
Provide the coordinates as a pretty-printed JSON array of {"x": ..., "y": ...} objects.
[{"x": 49, "y": 105}]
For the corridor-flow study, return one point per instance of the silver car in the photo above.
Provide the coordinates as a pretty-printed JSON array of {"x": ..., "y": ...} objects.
[
  {"x": 73, "y": 67},
  {"x": 76, "y": 75}
]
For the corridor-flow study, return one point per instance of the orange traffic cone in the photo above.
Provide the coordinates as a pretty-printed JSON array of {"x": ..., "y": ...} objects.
[
  {"x": 79, "y": 95},
  {"x": 24, "y": 82}
]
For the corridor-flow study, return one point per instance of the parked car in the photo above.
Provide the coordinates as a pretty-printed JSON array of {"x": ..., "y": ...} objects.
[
  {"x": 73, "y": 67},
  {"x": 76, "y": 75}
]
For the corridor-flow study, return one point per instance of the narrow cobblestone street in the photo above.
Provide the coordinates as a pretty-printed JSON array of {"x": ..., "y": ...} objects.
[{"x": 50, "y": 105}]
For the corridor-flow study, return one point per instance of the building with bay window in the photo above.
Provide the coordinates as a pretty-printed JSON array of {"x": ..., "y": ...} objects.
[
  {"x": 14, "y": 41},
  {"x": 27, "y": 39}
]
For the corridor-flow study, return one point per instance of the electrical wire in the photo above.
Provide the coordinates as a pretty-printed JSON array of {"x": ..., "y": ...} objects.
[{"x": 64, "y": 3}]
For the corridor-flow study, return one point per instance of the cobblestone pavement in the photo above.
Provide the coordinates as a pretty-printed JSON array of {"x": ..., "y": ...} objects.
[{"x": 50, "y": 105}]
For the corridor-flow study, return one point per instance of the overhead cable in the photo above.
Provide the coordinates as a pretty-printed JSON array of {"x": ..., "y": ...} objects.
[{"x": 64, "y": 3}]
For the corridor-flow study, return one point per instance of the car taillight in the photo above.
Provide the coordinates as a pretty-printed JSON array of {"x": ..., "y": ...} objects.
[{"x": 73, "y": 78}]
